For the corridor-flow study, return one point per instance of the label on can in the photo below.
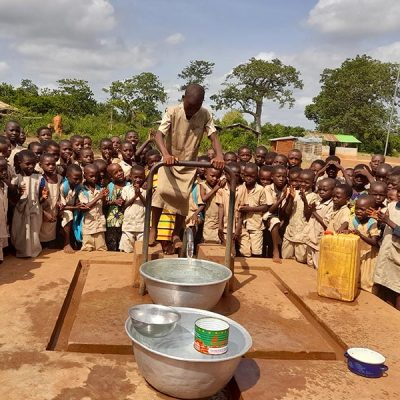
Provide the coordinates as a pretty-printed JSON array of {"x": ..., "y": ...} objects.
[{"x": 211, "y": 336}]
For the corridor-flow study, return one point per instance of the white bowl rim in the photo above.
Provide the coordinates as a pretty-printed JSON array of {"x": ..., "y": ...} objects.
[{"x": 366, "y": 355}]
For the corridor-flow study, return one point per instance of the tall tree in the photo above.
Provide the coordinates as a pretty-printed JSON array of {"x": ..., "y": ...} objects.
[
  {"x": 250, "y": 84},
  {"x": 138, "y": 96},
  {"x": 355, "y": 99},
  {"x": 74, "y": 97},
  {"x": 196, "y": 72}
]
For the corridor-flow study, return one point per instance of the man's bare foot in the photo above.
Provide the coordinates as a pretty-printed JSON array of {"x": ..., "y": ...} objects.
[
  {"x": 68, "y": 249},
  {"x": 152, "y": 237},
  {"x": 176, "y": 241},
  {"x": 275, "y": 258}
]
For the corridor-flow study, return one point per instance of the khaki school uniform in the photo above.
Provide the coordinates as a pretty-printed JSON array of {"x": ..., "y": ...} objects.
[
  {"x": 93, "y": 223},
  {"x": 182, "y": 138},
  {"x": 338, "y": 218},
  {"x": 295, "y": 239},
  {"x": 210, "y": 229},
  {"x": 315, "y": 231},
  {"x": 272, "y": 195},
  {"x": 48, "y": 230},
  {"x": 14, "y": 151},
  {"x": 223, "y": 201},
  {"x": 67, "y": 199},
  {"x": 133, "y": 224},
  {"x": 368, "y": 253},
  {"x": 387, "y": 270},
  {"x": 195, "y": 201},
  {"x": 251, "y": 238}
]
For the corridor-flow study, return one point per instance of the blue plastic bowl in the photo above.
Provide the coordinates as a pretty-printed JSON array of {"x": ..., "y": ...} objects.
[{"x": 365, "y": 362}]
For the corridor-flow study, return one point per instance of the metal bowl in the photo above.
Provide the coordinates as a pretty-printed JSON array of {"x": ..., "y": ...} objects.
[
  {"x": 153, "y": 320},
  {"x": 185, "y": 282},
  {"x": 173, "y": 366}
]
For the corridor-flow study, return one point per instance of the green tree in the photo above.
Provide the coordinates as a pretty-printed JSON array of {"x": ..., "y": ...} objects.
[
  {"x": 29, "y": 96},
  {"x": 196, "y": 72},
  {"x": 250, "y": 84},
  {"x": 233, "y": 117},
  {"x": 28, "y": 87},
  {"x": 137, "y": 98},
  {"x": 73, "y": 97},
  {"x": 7, "y": 93},
  {"x": 355, "y": 99}
]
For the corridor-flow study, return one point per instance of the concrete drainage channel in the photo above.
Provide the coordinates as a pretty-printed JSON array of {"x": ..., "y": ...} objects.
[{"x": 92, "y": 317}]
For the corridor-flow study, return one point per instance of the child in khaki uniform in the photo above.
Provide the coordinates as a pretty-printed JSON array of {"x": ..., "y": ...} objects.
[
  {"x": 208, "y": 191},
  {"x": 252, "y": 199},
  {"x": 94, "y": 222},
  {"x": 320, "y": 215},
  {"x": 367, "y": 228},
  {"x": 340, "y": 217},
  {"x": 134, "y": 197},
  {"x": 294, "y": 240},
  {"x": 275, "y": 203}
]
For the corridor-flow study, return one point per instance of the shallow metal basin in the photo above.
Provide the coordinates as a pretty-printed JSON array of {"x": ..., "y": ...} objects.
[
  {"x": 185, "y": 282},
  {"x": 153, "y": 320},
  {"x": 172, "y": 365}
]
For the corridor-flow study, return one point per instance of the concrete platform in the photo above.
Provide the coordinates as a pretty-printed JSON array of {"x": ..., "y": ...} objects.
[{"x": 53, "y": 343}]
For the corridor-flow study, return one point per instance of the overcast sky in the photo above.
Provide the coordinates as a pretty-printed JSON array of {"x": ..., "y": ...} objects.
[{"x": 106, "y": 40}]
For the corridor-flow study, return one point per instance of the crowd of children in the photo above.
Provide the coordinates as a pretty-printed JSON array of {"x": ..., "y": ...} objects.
[{"x": 60, "y": 195}]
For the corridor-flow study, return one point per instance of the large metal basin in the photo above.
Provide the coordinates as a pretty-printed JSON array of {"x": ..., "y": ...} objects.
[
  {"x": 172, "y": 365},
  {"x": 185, "y": 282}
]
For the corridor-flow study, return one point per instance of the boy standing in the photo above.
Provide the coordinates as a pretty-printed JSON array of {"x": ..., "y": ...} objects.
[
  {"x": 294, "y": 240},
  {"x": 275, "y": 197},
  {"x": 320, "y": 215},
  {"x": 253, "y": 200},
  {"x": 208, "y": 191},
  {"x": 94, "y": 223},
  {"x": 178, "y": 138},
  {"x": 69, "y": 192},
  {"x": 134, "y": 197}
]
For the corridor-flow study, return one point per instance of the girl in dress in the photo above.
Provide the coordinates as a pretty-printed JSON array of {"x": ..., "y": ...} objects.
[
  {"x": 27, "y": 218},
  {"x": 50, "y": 184}
]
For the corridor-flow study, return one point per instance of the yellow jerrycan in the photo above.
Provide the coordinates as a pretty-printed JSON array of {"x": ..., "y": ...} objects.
[{"x": 339, "y": 267}]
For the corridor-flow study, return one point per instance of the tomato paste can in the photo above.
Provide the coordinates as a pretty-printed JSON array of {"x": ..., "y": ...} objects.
[{"x": 211, "y": 336}]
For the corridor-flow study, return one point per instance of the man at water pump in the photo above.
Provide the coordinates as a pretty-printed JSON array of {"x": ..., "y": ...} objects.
[{"x": 178, "y": 139}]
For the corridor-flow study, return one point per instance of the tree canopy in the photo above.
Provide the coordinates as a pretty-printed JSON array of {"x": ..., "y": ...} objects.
[
  {"x": 196, "y": 72},
  {"x": 251, "y": 83},
  {"x": 138, "y": 97},
  {"x": 355, "y": 99}
]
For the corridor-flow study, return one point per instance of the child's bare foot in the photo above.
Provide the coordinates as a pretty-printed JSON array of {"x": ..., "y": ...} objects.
[
  {"x": 68, "y": 249},
  {"x": 275, "y": 258},
  {"x": 176, "y": 241},
  {"x": 169, "y": 249},
  {"x": 152, "y": 237}
]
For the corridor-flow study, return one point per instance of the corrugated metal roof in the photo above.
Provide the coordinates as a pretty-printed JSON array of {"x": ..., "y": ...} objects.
[
  {"x": 347, "y": 139},
  {"x": 283, "y": 138},
  {"x": 340, "y": 138},
  {"x": 329, "y": 137}
]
